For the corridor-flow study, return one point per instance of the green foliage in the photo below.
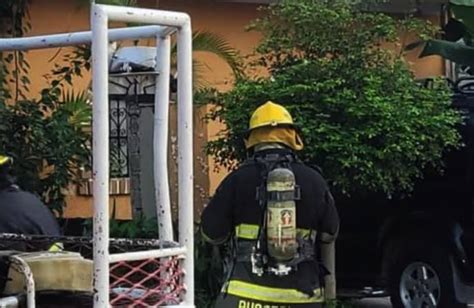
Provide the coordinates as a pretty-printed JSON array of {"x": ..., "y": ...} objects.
[
  {"x": 208, "y": 270},
  {"x": 47, "y": 145},
  {"x": 363, "y": 117},
  {"x": 79, "y": 109},
  {"x": 139, "y": 227},
  {"x": 344, "y": 303},
  {"x": 44, "y": 135}
]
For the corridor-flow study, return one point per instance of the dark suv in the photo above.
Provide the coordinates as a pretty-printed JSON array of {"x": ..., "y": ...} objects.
[{"x": 419, "y": 250}]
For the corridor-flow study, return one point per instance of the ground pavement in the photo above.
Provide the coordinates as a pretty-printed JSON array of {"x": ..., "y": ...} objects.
[{"x": 373, "y": 303}]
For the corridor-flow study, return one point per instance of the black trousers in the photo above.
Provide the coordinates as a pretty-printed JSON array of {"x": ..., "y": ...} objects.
[{"x": 231, "y": 301}]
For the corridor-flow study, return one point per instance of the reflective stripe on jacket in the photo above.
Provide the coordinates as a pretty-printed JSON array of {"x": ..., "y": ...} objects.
[{"x": 272, "y": 295}]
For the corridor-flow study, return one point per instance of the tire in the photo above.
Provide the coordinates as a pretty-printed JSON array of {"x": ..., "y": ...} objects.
[{"x": 422, "y": 277}]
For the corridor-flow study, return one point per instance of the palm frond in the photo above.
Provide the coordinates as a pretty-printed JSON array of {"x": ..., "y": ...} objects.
[
  {"x": 206, "y": 41},
  {"x": 79, "y": 108},
  {"x": 199, "y": 82}
]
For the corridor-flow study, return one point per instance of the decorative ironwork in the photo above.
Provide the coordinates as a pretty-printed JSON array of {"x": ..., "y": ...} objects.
[
  {"x": 118, "y": 138},
  {"x": 134, "y": 152},
  {"x": 131, "y": 93},
  {"x": 124, "y": 120}
]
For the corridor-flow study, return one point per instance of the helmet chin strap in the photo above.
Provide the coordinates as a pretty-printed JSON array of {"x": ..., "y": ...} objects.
[{"x": 268, "y": 145}]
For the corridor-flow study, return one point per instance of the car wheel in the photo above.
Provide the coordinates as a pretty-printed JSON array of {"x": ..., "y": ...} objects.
[{"x": 423, "y": 278}]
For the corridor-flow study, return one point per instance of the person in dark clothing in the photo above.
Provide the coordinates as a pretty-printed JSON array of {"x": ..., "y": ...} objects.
[
  {"x": 22, "y": 212},
  {"x": 236, "y": 214}
]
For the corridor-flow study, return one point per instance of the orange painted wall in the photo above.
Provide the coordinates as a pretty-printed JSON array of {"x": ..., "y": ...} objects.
[{"x": 227, "y": 19}]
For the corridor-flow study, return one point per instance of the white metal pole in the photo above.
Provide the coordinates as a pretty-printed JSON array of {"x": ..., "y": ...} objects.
[
  {"x": 100, "y": 137},
  {"x": 160, "y": 138},
  {"x": 25, "y": 269},
  {"x": 148, "y": 16},
  {"x": 78, "y": 38},
  {"x": 185, "y": 155},
  {"x": 148, "y": 254},
  {"x": 10, "y": 301},
  {"x": 100, "y": 38}
]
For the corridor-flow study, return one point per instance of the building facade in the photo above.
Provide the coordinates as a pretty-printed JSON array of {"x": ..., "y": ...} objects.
[{"x": 227, "y": 18}]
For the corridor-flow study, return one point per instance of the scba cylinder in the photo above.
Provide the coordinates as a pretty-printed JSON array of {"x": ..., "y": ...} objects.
[{"x": 281, "y": 214}]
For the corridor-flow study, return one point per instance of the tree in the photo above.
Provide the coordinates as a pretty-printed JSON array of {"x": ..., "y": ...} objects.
[{"x": 364, "y": 118}]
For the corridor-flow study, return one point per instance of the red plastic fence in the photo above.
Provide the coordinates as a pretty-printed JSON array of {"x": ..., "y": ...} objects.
[{"x": 146, "y": 283}]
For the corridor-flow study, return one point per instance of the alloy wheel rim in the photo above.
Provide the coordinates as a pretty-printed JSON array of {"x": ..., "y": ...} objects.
[{"x": 420, "y": 286}]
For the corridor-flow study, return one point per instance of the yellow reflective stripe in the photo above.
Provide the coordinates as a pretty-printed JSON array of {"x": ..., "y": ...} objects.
[
  {"x": 303, "y": 232},
  {"x": 272, "y": 295},
  {"x": 4, "y": 159},
  {"x": 250, "y": 232},
  {"x": 247, "y": 231},
  {"x": 56, "y": 247}
]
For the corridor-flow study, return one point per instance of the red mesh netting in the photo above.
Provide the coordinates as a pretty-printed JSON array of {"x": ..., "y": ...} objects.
[{"x": 145, "y": 283}]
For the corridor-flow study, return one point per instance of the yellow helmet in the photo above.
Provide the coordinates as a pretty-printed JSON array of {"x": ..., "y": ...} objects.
[
  {"x": 270, "y": 114},
  {"x": 5, "y": 160}
]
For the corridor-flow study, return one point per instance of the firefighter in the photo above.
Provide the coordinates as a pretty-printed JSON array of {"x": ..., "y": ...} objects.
[
  {"x": 22, "y": 212},
  {"x": 273, "y": 211}
]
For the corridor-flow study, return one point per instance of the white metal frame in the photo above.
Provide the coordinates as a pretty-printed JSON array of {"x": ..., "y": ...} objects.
[
  {"x": 164, "y": 24},
  {"x": 22, "y": 267}
]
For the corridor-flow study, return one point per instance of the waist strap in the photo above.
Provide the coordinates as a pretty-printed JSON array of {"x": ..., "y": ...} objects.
[{"x": 306, "y": 252}]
